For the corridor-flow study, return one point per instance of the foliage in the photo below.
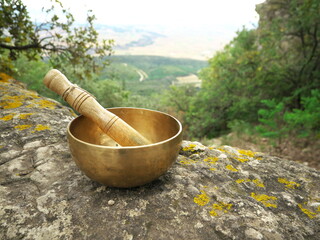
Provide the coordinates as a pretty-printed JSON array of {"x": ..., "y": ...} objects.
[
  {"x": 305, "y": 122},
  {"x": 266, "y": 76},
  {"x": 271, "y": 119},
  {"x": 230, "y": 89},
  {"x": 58, "y": 39}
]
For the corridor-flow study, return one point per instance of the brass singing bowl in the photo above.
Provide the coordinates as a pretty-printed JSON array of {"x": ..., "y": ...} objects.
[{"x": 102, "y": 160}]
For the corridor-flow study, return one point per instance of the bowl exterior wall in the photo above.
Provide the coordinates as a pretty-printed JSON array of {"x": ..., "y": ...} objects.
[{"x": 123, "y": 166}]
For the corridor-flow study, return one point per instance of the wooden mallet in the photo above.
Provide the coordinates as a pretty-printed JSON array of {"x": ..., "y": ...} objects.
[{"x": 84, "y": 103}]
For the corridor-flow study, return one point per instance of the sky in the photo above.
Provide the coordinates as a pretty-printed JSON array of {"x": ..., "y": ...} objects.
[
  {"x": 193, "y": 28},
  {"x": 164, "y": 12}
]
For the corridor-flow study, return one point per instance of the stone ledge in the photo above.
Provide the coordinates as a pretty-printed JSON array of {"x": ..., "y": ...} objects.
[{"x": 209, "y": 193}]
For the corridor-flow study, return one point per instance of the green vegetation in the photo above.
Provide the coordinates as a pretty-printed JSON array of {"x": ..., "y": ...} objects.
[
  {"x": 64, "y": 45},
  {"x": 266, "y": 81},
  {"x": 158, "y": 72}
]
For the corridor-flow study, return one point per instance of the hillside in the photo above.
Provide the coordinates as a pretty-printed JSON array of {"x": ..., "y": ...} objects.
[{"x": 145, "y": 75}]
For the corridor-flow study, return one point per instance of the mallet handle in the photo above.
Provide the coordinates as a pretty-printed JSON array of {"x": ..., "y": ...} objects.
[{"x": 85, "y": 104}]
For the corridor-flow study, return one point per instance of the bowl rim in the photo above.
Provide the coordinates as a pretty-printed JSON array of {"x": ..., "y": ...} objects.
[{"x": 127, "y": 147}]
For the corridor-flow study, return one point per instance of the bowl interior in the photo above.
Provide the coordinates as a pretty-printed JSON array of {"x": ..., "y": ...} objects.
[{"x": 155, "y": 126}]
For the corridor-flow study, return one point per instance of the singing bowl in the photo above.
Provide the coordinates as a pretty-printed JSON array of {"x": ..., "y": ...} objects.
[{"x": 102, "y": 160}]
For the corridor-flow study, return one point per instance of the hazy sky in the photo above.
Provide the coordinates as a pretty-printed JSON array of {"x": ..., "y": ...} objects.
[
  {"x": 164, "y": 12},
  {"x": 193, "y": 28}
]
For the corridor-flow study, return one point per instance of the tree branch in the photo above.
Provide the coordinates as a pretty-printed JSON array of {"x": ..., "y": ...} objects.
[{"x": 24, "y": 47}]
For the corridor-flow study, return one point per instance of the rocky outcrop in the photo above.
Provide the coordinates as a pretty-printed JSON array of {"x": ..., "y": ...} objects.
[{"x": 209, "y": 193}]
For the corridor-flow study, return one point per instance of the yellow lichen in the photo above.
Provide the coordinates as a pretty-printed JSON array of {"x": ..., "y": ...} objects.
[
  {"x": 265, "y": 199},
  {"x": 46, "y": 104},
  {"x": 12, "y": 101},
  {"x": 309, "y": 213},
  {"x": 212, "y": 169},
  {"x": 33, "y": 95},
  {"x": 231, "y": 168},
  {"x": 42, "y": 104},
  {"x": 41, "y": 127},
  {"x": 4, "y": 77},
  {"x": 211, "y": 160},
  {"x": 10, "y": 105},
  {"x": 7, "y": 117},
  {"x": 220, "y": 207},
  {"x": 25, "y": 115},
  {"x": 22, "y": 127},
  {"x": 248, "y": 153},
  {"x": 241, "y": 159},
  {"x": 188, "y": 161},
  {"x": 189, "y": 148},
  {"x": 221, "y": 149},
  {"x": 257, "y": 182},
  {"x": 242, "y": 180},
  {"x": 288, "y": 184},
  {"x": 202, "y": 199}
]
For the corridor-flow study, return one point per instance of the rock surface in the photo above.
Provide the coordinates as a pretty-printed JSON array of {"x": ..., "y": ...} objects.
[{"x": 209, "y": 193}]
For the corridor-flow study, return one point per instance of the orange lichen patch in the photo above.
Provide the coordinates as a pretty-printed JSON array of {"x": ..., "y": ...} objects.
[
  {"x": 306, "y": 211},
  {"x": 4, "y": 77},
  {"x": 41, "y": 127},
  {"x": 42, "y": 104},
  {"x": 189, "y": 148},
  {"x": 231, "y": 168},
  {"x": 24, "y": 115},
  {"x": 22, "y": 127},
  {"x": 221, "y": 206},
  {"x": 211, "y": 160},
  {"x": 202, "y": 199},
  {"x": 266, "y": 200},
  {"x": 288, "y": 184},
  {"x": 7, "y": 117}
]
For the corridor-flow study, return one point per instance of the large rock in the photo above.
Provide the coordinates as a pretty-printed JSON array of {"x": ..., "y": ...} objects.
[{"x": 209, "y": 193}]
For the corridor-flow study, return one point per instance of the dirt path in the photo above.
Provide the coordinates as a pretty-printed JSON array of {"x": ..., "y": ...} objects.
[{"x": 142, "y": 75}]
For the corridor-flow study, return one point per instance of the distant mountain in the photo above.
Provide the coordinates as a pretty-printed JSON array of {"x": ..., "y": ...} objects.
[{"x": 144, "y": 37}]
